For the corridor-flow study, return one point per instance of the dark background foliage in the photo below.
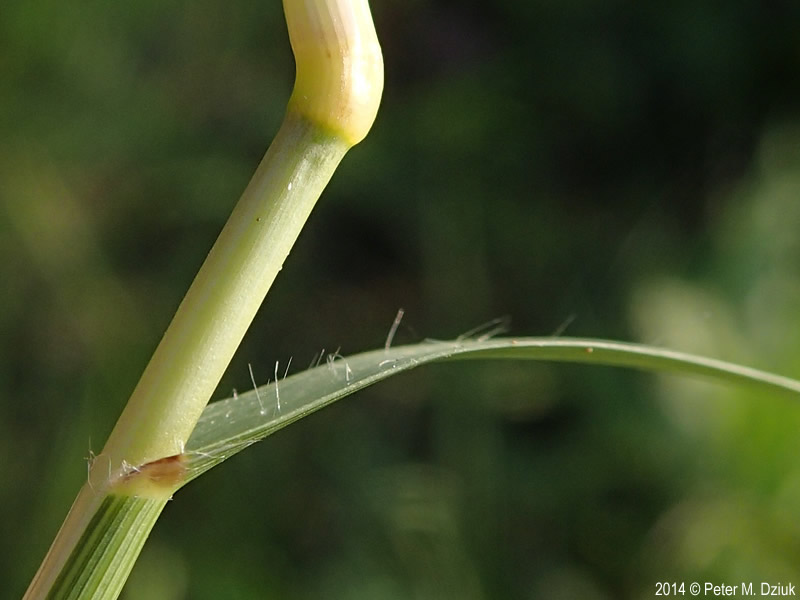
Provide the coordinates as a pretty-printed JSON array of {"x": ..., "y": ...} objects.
[{"x": 616, "y": 169}]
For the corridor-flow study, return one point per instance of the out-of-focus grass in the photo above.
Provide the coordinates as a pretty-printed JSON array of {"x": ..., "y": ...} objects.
[{"x": 632, "y": 165}]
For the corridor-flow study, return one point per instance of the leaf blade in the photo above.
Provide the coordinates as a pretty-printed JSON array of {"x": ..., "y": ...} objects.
[{"x": 228, "y": 426}]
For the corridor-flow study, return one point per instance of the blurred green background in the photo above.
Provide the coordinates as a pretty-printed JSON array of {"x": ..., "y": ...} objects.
[{"x": 623, "y": 169}]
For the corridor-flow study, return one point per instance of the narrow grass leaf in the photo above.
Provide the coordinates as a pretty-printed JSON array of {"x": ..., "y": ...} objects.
[{"x": 228, "y": 426}]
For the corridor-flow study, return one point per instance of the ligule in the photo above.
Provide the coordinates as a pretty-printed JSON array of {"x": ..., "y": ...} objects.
[{"x": 158, "y": 479}]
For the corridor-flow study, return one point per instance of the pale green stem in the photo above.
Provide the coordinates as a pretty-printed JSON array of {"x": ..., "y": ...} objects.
[
  {"x": 224, "y": 298},
  {"x": 211, "y": 321},
  {"x": 334, "y": 39}
]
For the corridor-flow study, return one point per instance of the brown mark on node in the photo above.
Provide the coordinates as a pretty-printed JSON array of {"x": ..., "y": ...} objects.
[{"x": 167, "y": 471}]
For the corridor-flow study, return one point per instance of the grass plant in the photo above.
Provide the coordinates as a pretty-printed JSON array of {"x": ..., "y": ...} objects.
[{"x": 167, "y": 435}]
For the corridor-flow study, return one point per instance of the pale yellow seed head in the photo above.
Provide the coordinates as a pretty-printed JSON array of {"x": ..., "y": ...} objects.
[{"x": 339, "y": 65}]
